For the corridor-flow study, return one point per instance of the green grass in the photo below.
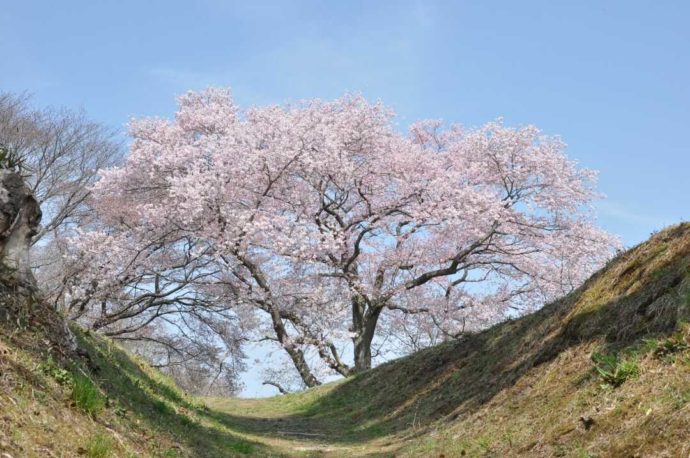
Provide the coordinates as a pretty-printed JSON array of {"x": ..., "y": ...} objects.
[
  {"x": 86, "y": 395},
  {"x": 615, "y": 370},
  {"x": 99, "y": 446},
  {"x": 145, "y": 394}
]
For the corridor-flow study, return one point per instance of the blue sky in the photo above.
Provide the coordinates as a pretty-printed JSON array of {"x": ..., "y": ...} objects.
[{"x": 610, "y": 77}]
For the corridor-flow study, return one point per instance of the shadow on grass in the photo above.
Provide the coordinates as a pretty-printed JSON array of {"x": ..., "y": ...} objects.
[
  {"x": 161, "y": 407},
  {"x": 457, "y": 378}
]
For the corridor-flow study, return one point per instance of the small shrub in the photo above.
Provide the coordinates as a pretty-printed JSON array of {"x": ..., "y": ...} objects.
[
  {"x": 86, "y": 396},
  {"x": 99, "y": 446},
  {"x": 675, "y": 343},
  {"x": 60, "y": 375},
  {"x": 613, "y": 370},
  {"x": 670, "y": 345}
]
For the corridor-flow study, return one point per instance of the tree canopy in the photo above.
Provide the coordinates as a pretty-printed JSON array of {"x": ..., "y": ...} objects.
[{"x": 314, "y": 224}]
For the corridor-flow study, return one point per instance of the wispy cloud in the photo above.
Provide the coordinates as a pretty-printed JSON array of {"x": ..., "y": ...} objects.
[{"x": 617, "y": 211}]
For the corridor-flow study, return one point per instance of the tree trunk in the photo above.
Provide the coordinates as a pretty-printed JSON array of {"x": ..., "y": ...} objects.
[
  {"x": 296, "y": 354},
  {"x": 300, "y": 363},
  {"x": 20, "y": 216},
  {"x": 364, "y": 321}
]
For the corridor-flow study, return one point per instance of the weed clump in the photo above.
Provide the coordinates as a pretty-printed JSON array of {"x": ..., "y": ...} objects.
[
  {"x": 86, "y": 396},
  {"x": 99, "y": 446},
  {"x": 675, "y": 343},
  {"x": 613, "y": 369},
  {"x": 60, "y": 375}
]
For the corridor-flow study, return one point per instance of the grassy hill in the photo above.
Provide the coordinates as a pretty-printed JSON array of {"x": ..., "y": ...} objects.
[{"x": 602, "y": 372}]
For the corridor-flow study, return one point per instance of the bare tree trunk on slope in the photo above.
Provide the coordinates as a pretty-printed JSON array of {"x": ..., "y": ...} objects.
[{"x": 20, "y": 216}]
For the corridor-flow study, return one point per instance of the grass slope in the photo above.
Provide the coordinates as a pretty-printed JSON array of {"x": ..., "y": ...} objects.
[
  {"x": 603, "y": 372},
  {"x": 614, "y": 353},
  {"x": 106, "y": 404}
]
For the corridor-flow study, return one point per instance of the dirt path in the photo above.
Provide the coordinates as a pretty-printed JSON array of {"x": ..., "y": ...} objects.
[{"x": 286, "y": 428}]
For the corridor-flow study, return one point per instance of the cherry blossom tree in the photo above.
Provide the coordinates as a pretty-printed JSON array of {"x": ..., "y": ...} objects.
[{"x": 326, "y": 221}]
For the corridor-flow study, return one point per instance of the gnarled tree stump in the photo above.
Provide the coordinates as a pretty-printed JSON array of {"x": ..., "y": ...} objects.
[{"x": 20, "y": 216}]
